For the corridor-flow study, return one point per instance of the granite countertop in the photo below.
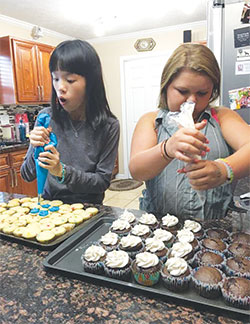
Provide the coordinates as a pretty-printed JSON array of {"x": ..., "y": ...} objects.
[
  {"x": 6, "y": 147},
  {"x": 30, "y": 294}
]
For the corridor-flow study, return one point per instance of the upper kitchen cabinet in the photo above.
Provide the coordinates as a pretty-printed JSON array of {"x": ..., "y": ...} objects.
[{"x": 24, "y": 71}]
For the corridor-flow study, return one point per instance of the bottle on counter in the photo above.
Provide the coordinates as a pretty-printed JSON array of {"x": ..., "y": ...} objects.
[{"x": 22, "y": 131}]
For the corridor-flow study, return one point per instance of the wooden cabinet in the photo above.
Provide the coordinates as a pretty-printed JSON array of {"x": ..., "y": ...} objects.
[
  {"x": 25, "y": 71},
  {"x": 10, "y": 176}
]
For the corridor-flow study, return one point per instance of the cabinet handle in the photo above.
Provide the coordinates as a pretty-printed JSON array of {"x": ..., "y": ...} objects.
[
  {"x": 15, "y": 174},
  {"x": 42, "y": 93},
  {"x": 11, "y": 178},
  {"x": 39, "y": 94}
]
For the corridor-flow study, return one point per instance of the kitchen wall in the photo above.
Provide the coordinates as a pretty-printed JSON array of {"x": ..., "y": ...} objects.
[{"x": 111, "y": 50}]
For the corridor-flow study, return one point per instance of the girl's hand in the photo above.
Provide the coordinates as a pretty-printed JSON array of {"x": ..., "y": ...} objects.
[
  {"x": 39, "y": 136},
  {"x": 50, "y": 160},
  {"x": 187, "y": 143},
  {"x": 205, "y": 174}
]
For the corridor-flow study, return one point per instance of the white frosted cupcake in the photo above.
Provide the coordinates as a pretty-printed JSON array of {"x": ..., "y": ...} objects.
[
  {"x": 128, "y": 216},
  {"x": 187, "y": 236},
  {"x": 170, "y": 223},
  {"x": 131, "y": 244},
  {"x": 157, "y": 247},
  {"x": 117, "y": 265},
  {"x": 181, "y": 250},
  {"x": 149, "y": 220},
  {"x": 93, "y": 259},
  {"x": 194, "y": 227},
  {"x": 120, "y": 227},
  {"x": 143, "y": 231},
  {"x": 109, "y": 241},
  {"x": 165, "y": 236}
]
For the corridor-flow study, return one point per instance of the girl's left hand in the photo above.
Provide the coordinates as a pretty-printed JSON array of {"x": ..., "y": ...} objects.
[
  {"x": 50, "y": 160},
  {"x": 205, "y": 174}
]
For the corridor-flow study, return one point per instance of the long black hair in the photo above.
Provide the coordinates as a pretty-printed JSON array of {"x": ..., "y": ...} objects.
[{"x": 79, "y": 57}]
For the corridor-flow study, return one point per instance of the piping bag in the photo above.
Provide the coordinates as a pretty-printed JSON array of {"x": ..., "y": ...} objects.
[
  {"x": 41, "y": 173},
  {"x": 184, "y": 118}
]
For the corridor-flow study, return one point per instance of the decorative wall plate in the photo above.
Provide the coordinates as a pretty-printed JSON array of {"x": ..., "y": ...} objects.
[{"x": 144, "y": 44}]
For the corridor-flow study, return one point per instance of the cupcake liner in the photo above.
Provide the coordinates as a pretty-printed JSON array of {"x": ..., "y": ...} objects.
[
  {"x": 176, "y": 284},
  {"x": 132, "y": 254},
  {"x": 231, "y": 239},
  {"x": 206, "y": 290},
  {"x": 147, "y": 278},
  {"x": 92, "y": 266},
  {"x": 226, "y": 239},
  {"x": 224, "y": 252},
  {"x": 197, "y": 262},
  {"x": 120, "y": 274},
  {"x": 230, "y": 254},
  {"x": 235, "y": 301},
  {"x": 232, "y": 273}
]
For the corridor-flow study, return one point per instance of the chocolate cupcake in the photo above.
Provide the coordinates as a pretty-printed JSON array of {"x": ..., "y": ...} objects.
[
  {"x": 237, "y": 249},
  {"x": 157, "y": 247},
  {"x": 120, "y": 227},
  {"x": 165, "y": 236},
  {"x": 187, "y": 236},
  {"x": 217, "y": 233},
  {"x": 206, "y": 281},
  {"x": 143, "y": 231},
  {"x": 214, "y": 244},
  {"x": 132, "y": 245},
  {"x": 117, "y": 265},
  {"x": 237, "y": 266},
  {"x": 176, "y": 274},
  {"x": 93, "y": 258},
  {"x": 182, "y": 250},
  {"x": 236, "y": 292},
  {"x": 170, "y": 223},
  {"x": 149, "y": 220},
  {"x": 209, "y": 258},
  {"x": 128, "y": 216},
  {"x": 194, "y": 227},
  {"x": 109, "y": 241},
  {"x": 240, "y": 237},
  {"x": 146, "y": 268}
]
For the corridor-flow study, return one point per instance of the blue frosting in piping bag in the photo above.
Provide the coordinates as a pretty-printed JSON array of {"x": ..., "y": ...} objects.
[{"x": 41, "y": 173}]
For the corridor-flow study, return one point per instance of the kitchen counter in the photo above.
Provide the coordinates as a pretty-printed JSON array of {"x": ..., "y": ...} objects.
[
  {"x": 6, "y": 147},
  {"x": 29, "y": 294}
]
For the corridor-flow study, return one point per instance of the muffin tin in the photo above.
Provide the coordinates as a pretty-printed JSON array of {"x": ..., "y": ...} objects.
[{"x": 66, "y": 260}]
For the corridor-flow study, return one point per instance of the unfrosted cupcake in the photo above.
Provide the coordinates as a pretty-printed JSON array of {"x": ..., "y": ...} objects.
[
  {"x": 194, "y": 227},
  {"x": 157, "y": 247},
  {"x": 187, "y": 236},
  {"x": 149, "y": 219},
  {"x": 214, "y": 244},
  {"x": 143, "y": 231},
  {"x": 209, "y": 258},
  {"x": 240, "y": 237},
  {"x": 170, "y": 223},
  {"x": 237, "y": 266},
  {"x": 120, "y": 227},
  {"x": 165, "y": 236},
  {"x": 146, "y": 268},
  {"x": 237, "y": 249},
  {"x": 176, "y": 274},
  {"x": 236, "y": 292},
  {"x": 181, "y": 250},
  {"x": 128, "y": 216},
  {"x": 109, "y": 241},
  {"x": 132, "y": 245},
  {"x": 117, "y": 265},
  {"x": 217, "y": 233},
  {"x": 93, "y": 259}
]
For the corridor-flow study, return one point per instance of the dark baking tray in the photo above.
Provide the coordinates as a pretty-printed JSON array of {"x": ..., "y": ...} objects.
[
  {"x": 53, "y": 244},
  {"x": 66, "y": 259}
]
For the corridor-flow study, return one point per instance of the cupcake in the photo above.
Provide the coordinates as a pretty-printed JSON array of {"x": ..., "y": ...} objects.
[
  {"x": 93, "y": 258},
  {"x": 165, "y": 236},
  {"x": 209, "y": 258},
  {"x": 150, "y": 220},
  {"x": 217, "y": 233},
  {"x": 176, "y": 274},
  {"x": 128, "y": 216},
  {"x": 146, "y": 268},
  {"x": 143, "y": 231},
  {"x": 157, "y": 247},
  {"x": 206, "y": 281},
  {"x": 237, "y": 249},
  {"x": 109, "y": 241},
  {"x": 117, "y": 265},
  {"x": 186, "y": 236},
  {"x": 237, "y": 266},
  {"x": 236, "y": 292},
  {"x": 214, "y": 244},
  {"x": 170, "y": 223},
  {"x": 132, "y": 245},
  {"x": 120, "y": 227},
  {"x": 194, "y": 227},
  {"x": 240, "y": 237},
  {"x": 181, "y": 250}
]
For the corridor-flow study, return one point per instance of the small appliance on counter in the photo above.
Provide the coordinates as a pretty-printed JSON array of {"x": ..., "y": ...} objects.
[
  {"x": 22, "y": 127},
  {"x": 7, "y": 131}
]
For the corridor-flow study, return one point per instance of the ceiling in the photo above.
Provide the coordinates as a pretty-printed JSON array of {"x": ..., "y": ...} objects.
[{"x": 102, "y": 18}]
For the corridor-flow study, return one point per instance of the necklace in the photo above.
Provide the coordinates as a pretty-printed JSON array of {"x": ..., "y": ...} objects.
[{"x": 77, "y": 127}]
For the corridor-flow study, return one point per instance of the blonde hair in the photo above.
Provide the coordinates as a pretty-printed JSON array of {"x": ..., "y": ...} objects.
[{"x": 195, "y": 57}]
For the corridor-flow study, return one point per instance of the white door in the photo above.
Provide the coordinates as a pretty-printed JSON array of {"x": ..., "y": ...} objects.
[{"x": 140, "y": 92}]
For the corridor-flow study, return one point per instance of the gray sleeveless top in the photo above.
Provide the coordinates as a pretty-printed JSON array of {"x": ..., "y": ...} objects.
[{"x": 170, "y": 192}]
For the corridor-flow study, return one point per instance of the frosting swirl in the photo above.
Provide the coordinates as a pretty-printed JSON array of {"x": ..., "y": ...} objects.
[
  {"x": 169, "y": 220},
  {"x": 140, "y": 229},
  {"x": 163, "y": 235},
  {"x": 130, "y": 241},
  {"x": 192, "y": 225},
  {"x": 185, "y": 235},
  {"x": 148, "y": 219},
  {"x": 153, "y": 245},
  {"x": 109, "y": 238},
  {"x": 120, "y": 224},
  {"x": 128, "y": 216},
  {"x": 146, "y": 260},
  {"x": 94, "y": 253},
  {"x": 176, "y": 266},
  {"x": 117, "y": 259},
  {"x": 180, "y": 249}
]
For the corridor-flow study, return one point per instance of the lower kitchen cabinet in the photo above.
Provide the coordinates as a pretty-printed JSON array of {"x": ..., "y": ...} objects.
[{"x": 10, "y": 175}]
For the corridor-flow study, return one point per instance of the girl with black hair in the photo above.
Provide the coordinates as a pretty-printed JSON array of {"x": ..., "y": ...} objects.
[{"x": 80, "y": 167}]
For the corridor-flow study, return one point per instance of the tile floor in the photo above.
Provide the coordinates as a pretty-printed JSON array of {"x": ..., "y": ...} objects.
[{"x": 124, "y": 199}]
